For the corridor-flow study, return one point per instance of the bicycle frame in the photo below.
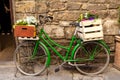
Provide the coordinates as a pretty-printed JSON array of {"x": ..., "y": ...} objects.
[{"x": 44, "y": 37}]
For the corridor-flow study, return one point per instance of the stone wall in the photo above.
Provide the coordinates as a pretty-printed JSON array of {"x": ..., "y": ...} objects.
[{"x": 64, "y": 11}]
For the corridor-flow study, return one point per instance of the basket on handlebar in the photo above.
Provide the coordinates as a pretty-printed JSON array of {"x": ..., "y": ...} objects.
[{"x": 91, "y": 30}]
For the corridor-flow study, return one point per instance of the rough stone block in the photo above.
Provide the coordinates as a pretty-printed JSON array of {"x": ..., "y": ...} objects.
[
  {"x": 113, "y": 6},
  {"x": 25, "y": 6},
  {"x": 114, "y": 1},
  {"x": 97, "y": 1},
  {"x": 41, "y": 7},
  {"x": 113, "y": 14},
  {"x": 96, "y": 7},
  {"x": 66, "y": 15},
  {"x": 111, "y": 27},
  {"x": 102, "y": 13},
  {"x": 64, "y": 23},
  {"x": 57, "y": 5},
  {"x": 79, "y": 1},
  {"x": 54, "y": 31},
  {"x": 73, "y": 6},
  {"x": 69, "y": 31},
  {"x": 109, "y": 39},
  {"x": 112, "y": 47},
  {"x": 22, "y": 15}
]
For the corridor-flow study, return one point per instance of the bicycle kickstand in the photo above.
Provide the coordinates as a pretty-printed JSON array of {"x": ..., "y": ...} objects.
[{"x": 58, "y": 68}]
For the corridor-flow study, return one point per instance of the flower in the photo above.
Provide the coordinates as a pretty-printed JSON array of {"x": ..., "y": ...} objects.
[
  {"x": 87, "y": 16},
  {"x": 29, "y": 20}
]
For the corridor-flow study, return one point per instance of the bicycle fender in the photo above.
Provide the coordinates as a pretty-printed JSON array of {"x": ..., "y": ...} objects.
[
  {"x": 73, "y": 51},
  {"x": 104, "y": 44},
  {"x": 48, "y": 53}
]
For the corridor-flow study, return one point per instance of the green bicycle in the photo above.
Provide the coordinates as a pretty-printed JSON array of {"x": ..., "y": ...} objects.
[{"x": 33, "y": 57}]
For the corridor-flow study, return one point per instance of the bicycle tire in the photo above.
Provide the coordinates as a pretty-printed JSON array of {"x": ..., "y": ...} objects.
[
  {"x": 91, "y": 65},
  {"x": 27, "y": 65}
]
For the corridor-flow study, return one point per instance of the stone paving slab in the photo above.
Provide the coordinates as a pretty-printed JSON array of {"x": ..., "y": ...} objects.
[
  {"x": 7, "y": 72},
  {"x": 61, "y": 75}
]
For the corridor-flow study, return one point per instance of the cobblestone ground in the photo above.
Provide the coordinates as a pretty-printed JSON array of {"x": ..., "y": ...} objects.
[{"x": 7, "y": 72}]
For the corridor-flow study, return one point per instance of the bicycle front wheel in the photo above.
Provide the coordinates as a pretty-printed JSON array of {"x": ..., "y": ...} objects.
[
  {"x": 93, "y": 58},
  {"x": 27, "y": 64}
]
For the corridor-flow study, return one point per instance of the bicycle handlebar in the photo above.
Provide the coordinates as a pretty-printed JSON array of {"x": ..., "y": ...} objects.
[
  {"x": 43, "y": 19},
  {"x": 74, "y": 24}
]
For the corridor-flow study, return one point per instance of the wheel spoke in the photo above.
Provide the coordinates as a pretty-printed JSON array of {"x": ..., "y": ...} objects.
[
  {"x": 95, "y": 62},
  {"x": 27, "y": 64}
]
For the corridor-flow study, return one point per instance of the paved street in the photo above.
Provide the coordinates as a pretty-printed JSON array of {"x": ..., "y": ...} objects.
[{"x": 7, "y": 72}]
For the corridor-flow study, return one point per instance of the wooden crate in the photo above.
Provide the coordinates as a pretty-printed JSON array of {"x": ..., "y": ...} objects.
[
  {"x": 117, "y": 53},
  {"x": 91, "y": 30},
  {"x": 24, "y": 31}
]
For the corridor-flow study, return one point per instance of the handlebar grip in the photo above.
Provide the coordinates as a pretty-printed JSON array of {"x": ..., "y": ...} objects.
[
  {"x": 41, "y": 16},
  {"x": 50, "y": 17},
  {"x": 75, "y": 23}
]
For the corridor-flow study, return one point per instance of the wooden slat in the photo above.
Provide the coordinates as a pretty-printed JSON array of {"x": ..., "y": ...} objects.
[
  {"x": 91, "y": 30},
  {"x": 28, "y": 38}
]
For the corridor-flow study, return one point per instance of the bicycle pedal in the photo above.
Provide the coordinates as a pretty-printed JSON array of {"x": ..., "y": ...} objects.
[{"x": 57, "y": 69}]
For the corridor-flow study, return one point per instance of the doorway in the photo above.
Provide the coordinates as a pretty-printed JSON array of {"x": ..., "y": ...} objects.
[
  {"x": 7, "y": 42},
  {"x": 5, "y": 17}
]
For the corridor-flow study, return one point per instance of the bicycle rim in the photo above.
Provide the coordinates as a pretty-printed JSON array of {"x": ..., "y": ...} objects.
[
  {"x": 94, "y": 58},
  {"x": 27, "y": 65}
]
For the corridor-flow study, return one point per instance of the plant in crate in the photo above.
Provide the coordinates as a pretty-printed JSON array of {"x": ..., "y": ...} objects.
[
  {"x": 88, "y": 16},
  {"x": 29, "y": 20},
  {"x": 25, "y": 27},
  {"x": 90, "y": 27}
]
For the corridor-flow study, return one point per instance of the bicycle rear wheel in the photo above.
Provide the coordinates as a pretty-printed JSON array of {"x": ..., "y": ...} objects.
[
  {"x": 94, "y": 58},
  {"x": 24, "y": 61}
]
